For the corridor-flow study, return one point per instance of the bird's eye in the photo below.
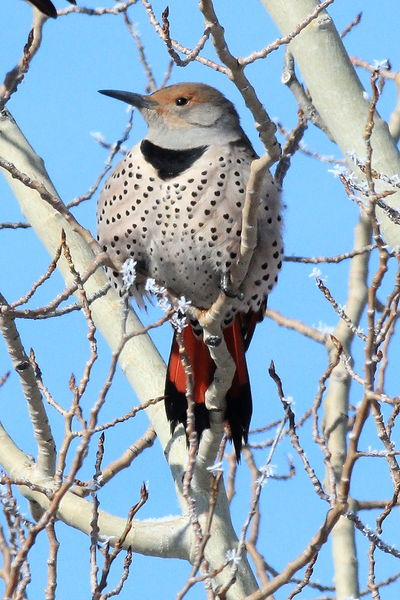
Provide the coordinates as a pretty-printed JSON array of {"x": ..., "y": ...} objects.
[{"x": 181, "y": 101}]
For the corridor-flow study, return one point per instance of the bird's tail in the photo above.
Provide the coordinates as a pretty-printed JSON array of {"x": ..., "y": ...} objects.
[
  {"x": 238, "y": 399},
  {"x": 47, "y": 7}
]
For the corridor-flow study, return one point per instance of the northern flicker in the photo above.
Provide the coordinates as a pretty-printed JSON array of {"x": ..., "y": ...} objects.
[
  {"x": 174, "y": 205},
  {"x": 47, "y": 7}
]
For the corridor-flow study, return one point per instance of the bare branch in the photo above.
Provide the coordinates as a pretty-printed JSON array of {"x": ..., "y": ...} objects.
[
  {"x": 17, "y": 74},
  {"x": 356, "y": 21},
  {"x": 173, "y": 46},
  {"x": 119, "y": 8},
  {"x": 16, "y": 225},
  {"x": 264, "y": 125},
  {"x": 286, "y": 38},
  {"x": 21, "y": 362},
  {"x": 330, "y": 259},
  {"x": 114, "y": 150}
]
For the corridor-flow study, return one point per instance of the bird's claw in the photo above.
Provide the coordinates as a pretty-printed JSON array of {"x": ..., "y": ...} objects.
[
  {"x": 213, "y": 341},
  {"x": 228, "y": 289},
  {"x": 226, "y": 286}
]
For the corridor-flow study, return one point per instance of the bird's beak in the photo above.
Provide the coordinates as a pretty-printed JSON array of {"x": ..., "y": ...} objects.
[{"x": 137, "y": 100}]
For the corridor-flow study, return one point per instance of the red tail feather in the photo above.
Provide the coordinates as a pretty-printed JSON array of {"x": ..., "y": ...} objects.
[{"x": 239, "y": 404}]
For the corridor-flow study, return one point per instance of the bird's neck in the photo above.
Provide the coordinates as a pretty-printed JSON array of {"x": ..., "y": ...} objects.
[{"x": 193, "y": 136}]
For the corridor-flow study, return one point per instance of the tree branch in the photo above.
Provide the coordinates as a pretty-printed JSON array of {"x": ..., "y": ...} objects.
[
  {"x": 337, "y": 93},
  {"x": 139, "y": 360},
  {"x": 45, "y": 465}
]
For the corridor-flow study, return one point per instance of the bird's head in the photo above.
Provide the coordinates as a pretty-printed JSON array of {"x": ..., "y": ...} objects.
[{"x": 185, "y": 115}]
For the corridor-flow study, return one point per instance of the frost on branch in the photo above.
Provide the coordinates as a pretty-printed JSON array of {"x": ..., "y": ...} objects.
[{"x": 169, "y": 304}]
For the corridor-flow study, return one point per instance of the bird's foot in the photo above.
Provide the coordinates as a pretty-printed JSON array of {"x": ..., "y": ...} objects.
[
  {"x": 226, "y": 286},
  {"x": 213, "y": 341},
  {"x": 229, "y": 290}
]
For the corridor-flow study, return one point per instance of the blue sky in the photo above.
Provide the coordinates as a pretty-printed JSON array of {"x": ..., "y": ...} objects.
[{"x": 58, "y": 108}]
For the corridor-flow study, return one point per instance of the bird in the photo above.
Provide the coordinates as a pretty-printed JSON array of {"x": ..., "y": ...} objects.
[
  {"x": 174, "y": 205},
  {"x": 47, "y": 7}
]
